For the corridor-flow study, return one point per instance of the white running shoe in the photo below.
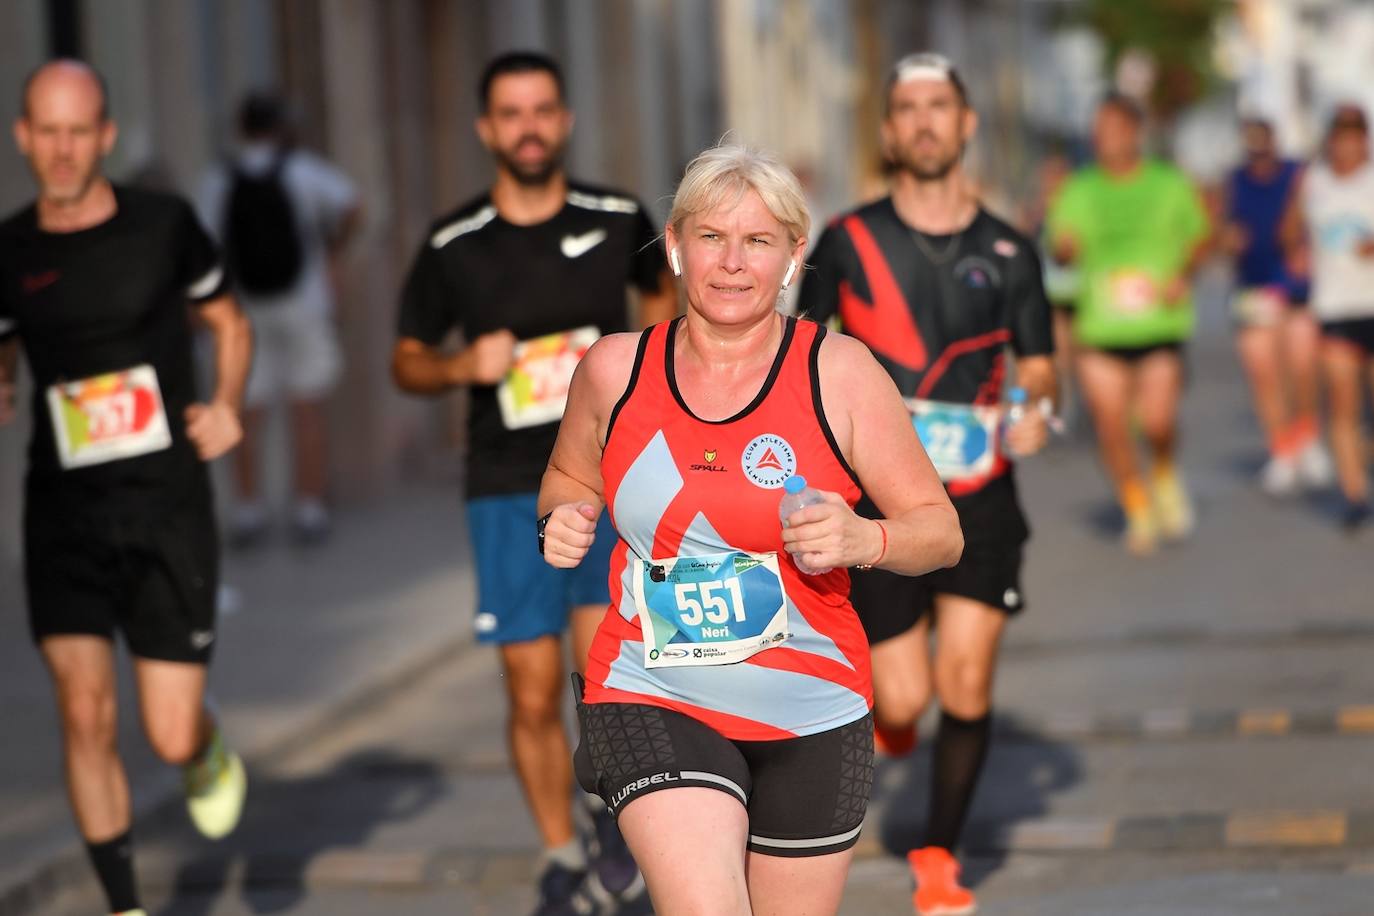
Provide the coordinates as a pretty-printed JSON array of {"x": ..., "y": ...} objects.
[
  {"x": 1173, "y": 508},
  {"x": 215, "y": 790},
  {"x": 1314, "y": 466},
  {"x": 1280, "y": 477}
]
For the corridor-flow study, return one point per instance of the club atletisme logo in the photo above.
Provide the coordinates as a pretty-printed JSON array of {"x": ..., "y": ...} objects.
[{"x": 768, "y": 460}]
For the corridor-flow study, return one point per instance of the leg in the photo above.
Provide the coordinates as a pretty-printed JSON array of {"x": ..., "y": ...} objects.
[
  {"x": 969, "y": 634},
  {"x": 812, "y": 886},
  {"x": 172, "y": 700},
  {"x": 539, "y": 747},
  {"x": 82, "y": 669},
  {"x": 901, "y": 677},
  {"x": 310, "y": 440},
  {"x": 1302, "y": 349},
  {"x": 689, "y": 843},
  {"x": 1106, "y": 383},
  {"x": 1341, "y": 362},
  {"x": 1159, "y": 389},
  {"x": 1261, "y": 358},
  {"x": 246, "y": 479}
]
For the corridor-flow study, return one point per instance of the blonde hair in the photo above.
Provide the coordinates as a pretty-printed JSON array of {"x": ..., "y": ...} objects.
[{"x": 724, "y": 174}]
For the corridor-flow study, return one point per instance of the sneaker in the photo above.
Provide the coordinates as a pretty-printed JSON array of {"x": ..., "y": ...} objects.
[
  {"x": 1315, "y": 467},
  {"x": 311, "y": 522},
  {"x": 1173, "y": 508},
  {"x": 216, "y": 786},
  {"x": 894, "y": 742},
  {"x": 1354, "y": 516},
  {"x": 562, "y": 892},
  {"x": 132, "y": 913},
  {"x": 613, "y": 868},
  {"x": 248, "y": 524},
  {"x": 1142, "y": 535},
  {"x": 938, "y": 892},
  {"x": 1280, "y": 477}
]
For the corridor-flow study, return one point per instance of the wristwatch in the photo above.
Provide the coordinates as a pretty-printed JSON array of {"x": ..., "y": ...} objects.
[{"x": 541, "y": 525}]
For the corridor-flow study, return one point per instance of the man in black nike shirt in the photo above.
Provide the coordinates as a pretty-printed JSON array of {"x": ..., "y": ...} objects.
[
  {"x": 119, "y": 532},
  {"x": 530, "y": 275},
  {"x": 940, "y": 289}
]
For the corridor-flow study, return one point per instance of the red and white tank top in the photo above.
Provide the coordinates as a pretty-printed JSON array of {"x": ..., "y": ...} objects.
[{"x": 680, "y": 488}]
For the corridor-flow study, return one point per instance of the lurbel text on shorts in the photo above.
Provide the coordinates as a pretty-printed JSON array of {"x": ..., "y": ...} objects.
[{"x": 642, "y": 783}]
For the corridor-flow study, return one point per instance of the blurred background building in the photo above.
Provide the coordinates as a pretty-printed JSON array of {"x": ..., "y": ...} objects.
[{"x": 386, "y": 89}]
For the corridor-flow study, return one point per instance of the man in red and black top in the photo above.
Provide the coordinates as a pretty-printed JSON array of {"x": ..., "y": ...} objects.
[{"x": 940, "y": 289}]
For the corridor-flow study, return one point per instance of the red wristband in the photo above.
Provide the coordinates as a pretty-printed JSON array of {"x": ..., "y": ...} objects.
[{"x": 882, "y": 553}]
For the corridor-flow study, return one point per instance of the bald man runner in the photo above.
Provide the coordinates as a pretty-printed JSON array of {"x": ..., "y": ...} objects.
[{"x": 119, "y": 530}]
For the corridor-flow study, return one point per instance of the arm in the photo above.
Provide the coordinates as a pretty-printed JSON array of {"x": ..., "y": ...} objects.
[
  {"x": 571, "y": 491},
  {"x": 214, "y": 427},
  {"x": 1293, "y": 227},
  {"x": 419, "y": 368},
  {"x": 9, "y": 369},
  {"x": 874, "y": 432}
]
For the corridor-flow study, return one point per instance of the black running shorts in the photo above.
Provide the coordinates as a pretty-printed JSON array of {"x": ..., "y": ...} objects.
[
  {"x": 1356, "y": 332},
  {"x": 153, "y": 577},
  {"x": 989, "y": 571},
  {"x": 805, "y": 796}
]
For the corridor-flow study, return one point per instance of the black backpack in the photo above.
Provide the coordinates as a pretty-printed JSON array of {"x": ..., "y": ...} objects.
[{"x": 261, "y": 243}]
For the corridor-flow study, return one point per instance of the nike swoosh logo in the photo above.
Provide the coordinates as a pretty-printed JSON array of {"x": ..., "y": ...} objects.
[
  {"x": 575, "y": 246},
  {"x": 885, "y": 324}
]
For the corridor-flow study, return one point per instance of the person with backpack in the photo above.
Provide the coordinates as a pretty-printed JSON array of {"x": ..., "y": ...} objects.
[{"x": 282, "y": 213}]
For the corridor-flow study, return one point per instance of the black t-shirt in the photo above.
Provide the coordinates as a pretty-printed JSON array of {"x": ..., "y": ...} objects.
[
  {"x": 937, "y": 311},
  {"x": 101, "y": 300},
  {"x": 478, "y": 273}
]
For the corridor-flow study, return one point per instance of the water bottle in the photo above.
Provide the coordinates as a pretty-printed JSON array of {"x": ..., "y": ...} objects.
[
  {"x": 1016, "y": 411},
  {"x": 797, "y": 495}
]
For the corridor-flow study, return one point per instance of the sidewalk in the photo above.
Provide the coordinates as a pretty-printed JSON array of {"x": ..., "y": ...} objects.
[{"x": 317, "y": 634}]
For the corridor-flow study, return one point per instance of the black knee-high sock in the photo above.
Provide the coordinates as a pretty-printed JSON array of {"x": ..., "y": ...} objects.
[
  {"x": 961, "y": 746},
  {"x": 114, "y": 866}
]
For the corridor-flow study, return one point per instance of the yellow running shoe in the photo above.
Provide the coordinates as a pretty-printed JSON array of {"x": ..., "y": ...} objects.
[
  {"x": 1173, "y": 508},
  {"x": 216, "y": 786},
  {"x": 1142, "y": 534},
  {"x": 132, "y": 913}
]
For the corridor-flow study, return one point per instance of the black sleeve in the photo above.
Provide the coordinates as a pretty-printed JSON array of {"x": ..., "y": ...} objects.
[
  {"x": 200, "y": 266},
  {"x": 648, "y": 260},
  {"x": 819, "y": 296},
  {"x": 429, "y": 307},
  {"x": 1028, "y": 307}
]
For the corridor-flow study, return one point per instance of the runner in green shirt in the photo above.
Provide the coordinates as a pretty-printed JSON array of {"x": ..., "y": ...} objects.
[{"x": 1136, "y": 229}]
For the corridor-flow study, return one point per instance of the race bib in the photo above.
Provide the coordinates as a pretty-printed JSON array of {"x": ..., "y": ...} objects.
[
  {"x": 108, "y": 417},
  {"x": 716, "y": 609},
  {"x": 961, "y": 439},
  {"x": 535, "y": 391},
  {"x": 1131, "y": 292},
  {"x": 1260, "y": 306}
]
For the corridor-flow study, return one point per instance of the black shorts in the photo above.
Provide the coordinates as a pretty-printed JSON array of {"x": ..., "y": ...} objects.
[
  {"x": 1357, "y": 332},
  {"x": 805, "y": 796},
  {"x": 1134, "y": 355},
  {"x": 153, "y": 577},
  {"x": 995, "y": 532}
]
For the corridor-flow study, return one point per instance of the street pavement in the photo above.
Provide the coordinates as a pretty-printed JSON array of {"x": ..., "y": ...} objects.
[{"x": 1190, "y": 733}]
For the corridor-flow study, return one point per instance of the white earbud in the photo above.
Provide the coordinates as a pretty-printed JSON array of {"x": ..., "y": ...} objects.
[
  {"x": 675, "y": 261},
  {"x": 787, "y": 277}
]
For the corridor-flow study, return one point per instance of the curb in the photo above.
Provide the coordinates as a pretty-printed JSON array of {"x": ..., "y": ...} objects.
[{"x": 68, "y": 866}]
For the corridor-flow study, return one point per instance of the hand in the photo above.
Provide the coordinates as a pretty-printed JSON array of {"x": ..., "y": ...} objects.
[
  {"x": 1235, "y": 239},
  {"x": 1065, "y": 249},
  {"x": 7, "y": 409},
  {"x": 829, "y": 534},
  {"x": 213, "y": 429},
  {"x": 1028, "y": 435},
  {"x": 1176, "y": 291},
  {"x": 1365, "y": 248},
  {"x": 488, "y": 358},
  {"x": 569, "y": 534}
]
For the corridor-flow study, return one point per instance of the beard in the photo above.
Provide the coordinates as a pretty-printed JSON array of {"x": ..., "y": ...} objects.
[
  {"x": 932, "y": 166},
  {"x": 69, "y": 189},
  {"x": 532, "y": 173}
]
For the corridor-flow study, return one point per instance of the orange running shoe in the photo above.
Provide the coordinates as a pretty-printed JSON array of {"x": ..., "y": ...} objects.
[
  {"x": 938, "y": 892},
  {"x": 894, "y": 742}
]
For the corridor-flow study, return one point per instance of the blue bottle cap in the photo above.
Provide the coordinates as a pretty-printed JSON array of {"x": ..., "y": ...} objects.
[
  {"x": 794, "y": 484},
  {"x": 1017, "y": 395}
]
